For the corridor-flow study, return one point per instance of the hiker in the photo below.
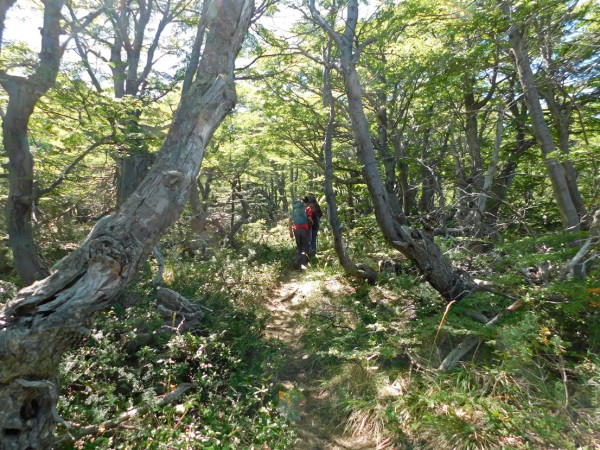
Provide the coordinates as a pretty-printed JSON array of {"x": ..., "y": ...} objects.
[
  {"x": 299, "y": 224},
  {"x": 310, "y": 200}
]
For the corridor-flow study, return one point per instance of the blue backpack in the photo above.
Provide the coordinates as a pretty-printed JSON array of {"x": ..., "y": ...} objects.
[{"x": 298, "y": 213}]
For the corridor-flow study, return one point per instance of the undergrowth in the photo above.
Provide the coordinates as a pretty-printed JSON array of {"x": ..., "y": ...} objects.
[
  {"x": 115, "y": 384},
  {"x": 531, "y": 382}
]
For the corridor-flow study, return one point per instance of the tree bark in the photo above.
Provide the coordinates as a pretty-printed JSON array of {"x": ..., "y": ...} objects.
[
  {"x": 492, "y": 169},
  {"x": 281, "y": 190},
  {"x": 332, "y": 212},
  {"x": 408, "y": 192},
  {"x": 236, "y": 225},
  {"x": 561, "y": 111},
  {"x": 293, "y": 181},
  {"x": 507, "y": 174},
  {"x": 195, "y": 53},
  {"x": 562, "y": 123},
  {"x": 24, "y": 94},
  {"x": 51, "y": 316},
  {"x": 199, "y": 204},
  {"x": 555, "y": 170},
  {"x": 131, "y": 170},
  {"x": 473, "y": 109},
  {"x": 427, "y": 177},
  {"x": 383, "y": 146}
]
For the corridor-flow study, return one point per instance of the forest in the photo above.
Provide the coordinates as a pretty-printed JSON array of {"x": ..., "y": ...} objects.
[{"x": 151, "y": 295}]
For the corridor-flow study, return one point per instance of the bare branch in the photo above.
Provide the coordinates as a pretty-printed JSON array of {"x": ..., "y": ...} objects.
[{"x": 42, "y": 192}]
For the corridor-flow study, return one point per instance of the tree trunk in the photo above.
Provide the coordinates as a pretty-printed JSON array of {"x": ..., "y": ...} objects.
[
  {"x": 332, "y": 213},
  {"x": 555, "y": 170},
  {"x": 407, "y": 191},
  {"x": 472, "y": 110},
  {"x": 281, "y": 190},
  {"x": 195, "y": 53},
  {"x": 24, "y": 94},
  {"x": 389, "y": 162},
  {"x": 492, "y": 169},
  {"x": 293, "y": 179},
  {"x": 507, "y": 174},
  {"x": 561, "y": 111},
  {"x": 48, "y": 318},
  {"x": 562, "y": 123},
  {"x": 131, "y": 170},
  {"x": 417, "y": 245},
  {"x": 5, "y": 5},
  {"x": 236, "y": 225},
  {"x": 427, "y": 176},
  {"x": 19, "y": 204},
  {"x": 199, "y": 203}
]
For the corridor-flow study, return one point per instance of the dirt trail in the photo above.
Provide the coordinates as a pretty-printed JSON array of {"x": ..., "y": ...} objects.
[{"x": 302, "y": 401}]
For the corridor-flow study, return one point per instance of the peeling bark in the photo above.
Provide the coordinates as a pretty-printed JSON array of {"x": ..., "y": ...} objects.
[{"x": 54, "y": 314}]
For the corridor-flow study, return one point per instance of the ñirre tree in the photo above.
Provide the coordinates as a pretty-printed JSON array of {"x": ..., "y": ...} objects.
[
  {"x": 417, "y": 245},
  {"x": 47, "y": 318},
  {"x": 128, "y": 43},
  {"x": 565, "y": 191},
  {"x": 23, "y": 95}
]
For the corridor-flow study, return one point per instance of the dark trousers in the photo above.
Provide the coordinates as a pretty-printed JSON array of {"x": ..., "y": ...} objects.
[
  {"x": 312, "y": 250},
  {"x": 302, "y": 236}
]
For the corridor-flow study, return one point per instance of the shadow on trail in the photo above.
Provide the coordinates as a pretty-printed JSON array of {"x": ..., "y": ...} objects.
[{"x": 301, "y": 398}]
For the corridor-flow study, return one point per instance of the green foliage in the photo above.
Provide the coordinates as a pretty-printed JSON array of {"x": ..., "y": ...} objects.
[
  {"x": 530, "y": 383},
  {"x": 134, "y": 358}
]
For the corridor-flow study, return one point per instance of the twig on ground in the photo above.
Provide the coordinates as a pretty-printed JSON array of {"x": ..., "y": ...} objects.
[
  {"x": 467, "y": 344},
  {"x": 289, "y": 296}
]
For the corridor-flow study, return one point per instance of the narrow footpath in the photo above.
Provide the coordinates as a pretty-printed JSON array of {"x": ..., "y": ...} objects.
[{"x": 302, "y": 400}]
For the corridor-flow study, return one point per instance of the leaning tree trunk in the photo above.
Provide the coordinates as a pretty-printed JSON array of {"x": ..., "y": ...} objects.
[
  {"x": 361, "y": 270},
  {"x": 48, "y": 318},
  {"x": 23, "y": 95},
  {"x": 555, "y": 170},
  {"x": 562, "y": 122},
  {"x": 417, "y": 245}
]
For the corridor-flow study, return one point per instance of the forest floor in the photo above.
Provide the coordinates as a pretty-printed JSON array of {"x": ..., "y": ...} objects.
[{"x": 302, "y": 399}]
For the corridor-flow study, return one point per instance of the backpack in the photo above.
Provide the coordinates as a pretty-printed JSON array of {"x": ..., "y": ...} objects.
[{"x": 298, "y": 213}]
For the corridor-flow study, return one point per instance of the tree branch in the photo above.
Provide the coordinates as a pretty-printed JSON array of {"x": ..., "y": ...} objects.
[{"x": 42, "y": 192}]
